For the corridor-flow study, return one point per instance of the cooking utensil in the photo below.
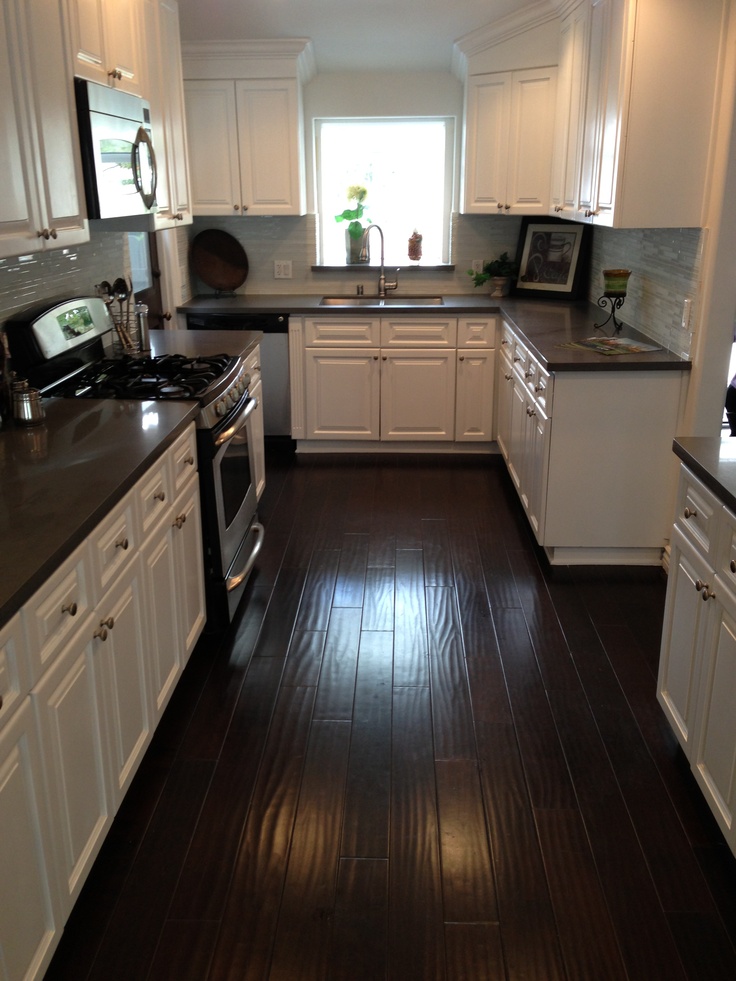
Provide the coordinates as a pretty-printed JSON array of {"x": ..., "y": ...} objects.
[
  {"x": 28, "y": 409},
  {"x": 219, "y": 260}
]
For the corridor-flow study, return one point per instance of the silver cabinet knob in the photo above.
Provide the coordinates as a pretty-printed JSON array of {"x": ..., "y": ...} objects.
[
  {"x": 70, "y": 608},
  {"x": 690, "y": 513}
]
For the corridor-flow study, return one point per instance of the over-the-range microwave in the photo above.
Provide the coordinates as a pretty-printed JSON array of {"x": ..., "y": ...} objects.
[{"x": 118, "y": 159}]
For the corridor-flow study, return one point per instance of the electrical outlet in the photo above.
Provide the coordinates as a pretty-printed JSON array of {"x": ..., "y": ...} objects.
[
  {"x": 477, "y": 265},
  {"x": 282, "y": 269}
]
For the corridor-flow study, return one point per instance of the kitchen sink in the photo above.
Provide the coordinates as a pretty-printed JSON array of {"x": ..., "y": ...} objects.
[{"x": 377, "y": 301}]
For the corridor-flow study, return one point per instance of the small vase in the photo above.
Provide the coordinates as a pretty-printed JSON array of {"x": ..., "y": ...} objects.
[
  {"x": 353, "y": 248},
  {"x": 500, "y": 285}
]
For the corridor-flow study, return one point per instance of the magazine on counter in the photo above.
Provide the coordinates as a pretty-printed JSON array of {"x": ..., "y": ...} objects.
[{"x": 612, "y": 345}]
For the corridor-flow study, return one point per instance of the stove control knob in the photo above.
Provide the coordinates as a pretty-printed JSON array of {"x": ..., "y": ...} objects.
[{"x": 220, "y": 408}]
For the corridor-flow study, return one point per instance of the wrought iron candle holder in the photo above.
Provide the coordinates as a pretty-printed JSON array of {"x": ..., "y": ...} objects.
[{"x": 615, "y": 282}]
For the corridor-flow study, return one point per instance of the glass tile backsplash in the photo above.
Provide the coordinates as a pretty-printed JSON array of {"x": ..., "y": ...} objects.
[{"x": 665, "y": 266}]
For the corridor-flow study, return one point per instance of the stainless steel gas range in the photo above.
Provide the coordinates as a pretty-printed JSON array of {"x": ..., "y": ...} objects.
[{"x": 67, "y": 350}]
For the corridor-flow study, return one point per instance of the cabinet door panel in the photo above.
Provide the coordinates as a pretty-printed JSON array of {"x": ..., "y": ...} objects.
[
  {"x": 714, "y": 763},
  {"x": 189, "y": 565},
  {"x": 474, "y": 407},
  {"x": 532, "y": 121},
  {"x": 417, "y": 395},
  {"x": 682, "y": 639},
  {"x": 342, "y": 394},
  {"x": 211, "y": 119},
  {"x": 268, "y": 126},
  {"x": 487, "y": 126},
  {"x": 67, "y": 705},
  {"x": 29, "y": 926}
]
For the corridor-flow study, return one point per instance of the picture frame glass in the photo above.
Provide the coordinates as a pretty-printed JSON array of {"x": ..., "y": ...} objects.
[{"x": 549, "y": 257}]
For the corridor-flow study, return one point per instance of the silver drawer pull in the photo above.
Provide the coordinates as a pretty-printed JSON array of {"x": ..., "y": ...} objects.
[
  {"x": 109, "y": 623},
  {"x": 180, "y": 520},
  {"x": 100, "y": 634},
  {"x": 189, "y": 461},
  {"x": 690, "y": 513},
  {"x": 122, "y": 543},
  {"x": 160, "y": 496},
  {"x": 70, "y": 608},
  {"x": 732, "y": 566}
]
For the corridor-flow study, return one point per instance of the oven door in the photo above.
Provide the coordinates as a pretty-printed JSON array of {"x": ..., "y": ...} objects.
[{"x": 234, "y": 484}]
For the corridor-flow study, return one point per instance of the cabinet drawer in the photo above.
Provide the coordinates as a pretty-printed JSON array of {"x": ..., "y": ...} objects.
[
  {"x": 697, "y": 513},
  {"x": 53, "y": 613},
  {"x": 342, "y": 331},
  {"x": 154, "y": 496},
  {"x": 114, "y": 543},
  {"x": 14, "y": 675},
  {"x": 507, "y": 338},
  {"x": 476, "y": 333},
  {"x": 182, "y": 457},
  {"x": 408, "y": 332}
]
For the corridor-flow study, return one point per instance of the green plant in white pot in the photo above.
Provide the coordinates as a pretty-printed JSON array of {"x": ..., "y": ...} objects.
[
  {"x": 354, "y": 232},
  {"x": 499, "y": 271}
]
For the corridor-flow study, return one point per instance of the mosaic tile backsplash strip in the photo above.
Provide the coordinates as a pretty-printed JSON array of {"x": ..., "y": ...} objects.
[{"x": 665, "y": 266}]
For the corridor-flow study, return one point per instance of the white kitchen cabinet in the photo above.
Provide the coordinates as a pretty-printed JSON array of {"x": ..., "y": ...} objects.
[
  {"x": 256, "y": 125},
  {"x": 509, "y": 119},
  {"x": 165, "y": 92},
  {"x": 417, "y": 394},
  {"x": 30, "y": 917},
  {"x": 14, "y": 669},
  {"x": 107, "y": 42},
  {"x": 567, "y": 150},
  {"x": 475, "y": 379},
  {"x": 42, "y": 204},
  {"x": 697, "y": 668},
  {"x": 642, "y": 159},
  {"x": 342, "y": 390},
  {"x": 570, "y": 455}
]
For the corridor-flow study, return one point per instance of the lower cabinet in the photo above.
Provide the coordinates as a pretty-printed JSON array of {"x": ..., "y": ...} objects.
[
  {"x": 399, "y": 379},
  {"x": 104, "y": 643},
  {"x": 591, "y": 492},
  {"x": 697, "y": 668},
  {"x": 30, "y": 917}
]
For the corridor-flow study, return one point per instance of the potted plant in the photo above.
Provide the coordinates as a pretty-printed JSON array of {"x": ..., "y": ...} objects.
[
  {"x": 500, "y": 271},
  {"x": 354, "y": 232}
]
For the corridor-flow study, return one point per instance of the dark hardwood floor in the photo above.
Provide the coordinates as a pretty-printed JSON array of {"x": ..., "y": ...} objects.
[{"x": 421, "y": 754}]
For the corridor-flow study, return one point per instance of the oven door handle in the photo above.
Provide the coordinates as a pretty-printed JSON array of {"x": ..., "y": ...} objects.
[
  {"x": 232, "y": 582},
  {"x": 227, "y": 434}
]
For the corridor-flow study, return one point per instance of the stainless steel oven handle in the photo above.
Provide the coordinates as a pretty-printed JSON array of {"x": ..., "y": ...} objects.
[
  {"x": 228, "y": 433},
  {"x": 232, "y": 582}
]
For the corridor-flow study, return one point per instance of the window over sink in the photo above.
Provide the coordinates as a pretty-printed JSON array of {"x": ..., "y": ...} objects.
[{"x": 406, "y": 166}]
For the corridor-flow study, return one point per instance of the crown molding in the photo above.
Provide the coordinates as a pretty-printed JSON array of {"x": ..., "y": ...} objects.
[
  {"x": 534, "y": 15},
  {"x": 265, "y": 56}
]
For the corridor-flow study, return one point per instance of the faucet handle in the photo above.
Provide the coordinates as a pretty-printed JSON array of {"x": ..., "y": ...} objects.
[{"x": 395, "y": 284}]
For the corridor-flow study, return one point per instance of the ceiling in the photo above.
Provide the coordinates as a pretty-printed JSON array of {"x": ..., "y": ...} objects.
[{"x": 351, "y": 35}]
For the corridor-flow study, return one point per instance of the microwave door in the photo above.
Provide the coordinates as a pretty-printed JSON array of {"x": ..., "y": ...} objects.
[
  {"x": 143, "y": 162},
  {"x": 114, "y": 148}
]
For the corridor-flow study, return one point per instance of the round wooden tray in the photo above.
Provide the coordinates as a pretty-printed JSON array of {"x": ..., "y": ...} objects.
[{"x": 219, "y": 260}]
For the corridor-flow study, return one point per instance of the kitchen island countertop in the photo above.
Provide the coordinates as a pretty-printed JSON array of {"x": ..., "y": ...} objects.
[
  {"x": 546, "y": 325},
  {"x": 59, "y": 479}
]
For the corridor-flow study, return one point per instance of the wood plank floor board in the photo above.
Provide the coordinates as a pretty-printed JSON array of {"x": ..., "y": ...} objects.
[
  {"x": 249, "y": 920},
  {"x": 301, "y": 943},
  {"x": 462, "y": 775},
  {"x": 336, "y": 685},
  {"x": 411, "y": 656},
  {"x": 415, "y": 942},
  {"x": 365, "y": 832},
  {"x": 468, "y": 885},
  {"x": 452, "y": 714},
  {"x": 474, "y": 952}
]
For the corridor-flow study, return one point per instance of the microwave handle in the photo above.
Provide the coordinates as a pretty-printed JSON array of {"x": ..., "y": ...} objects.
[{"x": 142, "y": 138}]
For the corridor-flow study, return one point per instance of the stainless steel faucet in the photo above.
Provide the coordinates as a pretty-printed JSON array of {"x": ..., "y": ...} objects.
[{"x": 383, "y": 286}]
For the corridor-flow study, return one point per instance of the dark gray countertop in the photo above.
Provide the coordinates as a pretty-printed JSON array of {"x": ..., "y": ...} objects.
[
  {"x": 546, "y": 325},
  {"x": 58, "y": 480},
  {"x": 713, "y": 460}
]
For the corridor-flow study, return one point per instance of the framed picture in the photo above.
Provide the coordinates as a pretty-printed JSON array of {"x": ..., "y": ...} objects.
[{"x": 553, "y": 258}]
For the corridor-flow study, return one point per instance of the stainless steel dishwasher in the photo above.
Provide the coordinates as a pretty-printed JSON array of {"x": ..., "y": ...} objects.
[{"x": 274, "y": 360}]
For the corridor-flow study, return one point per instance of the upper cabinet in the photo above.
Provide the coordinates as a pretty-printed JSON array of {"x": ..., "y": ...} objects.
[
  {"x": 106, "y": 42},
  {"x": 250, "y": 109},
  {"x": 166, "y": 97},
  {"x": 509, "y": 119},
  {"x": 42, "y": 204},
  {"x": 635, "y": 114}
]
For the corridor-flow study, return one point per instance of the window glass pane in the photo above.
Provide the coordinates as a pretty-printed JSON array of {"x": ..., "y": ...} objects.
[{"x": 402, "y": 163}]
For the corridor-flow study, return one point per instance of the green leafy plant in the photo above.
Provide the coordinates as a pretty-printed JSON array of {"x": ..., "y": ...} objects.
[
  {"x": 503, "y": 267},
  {"x": 356, "y": 195}
]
